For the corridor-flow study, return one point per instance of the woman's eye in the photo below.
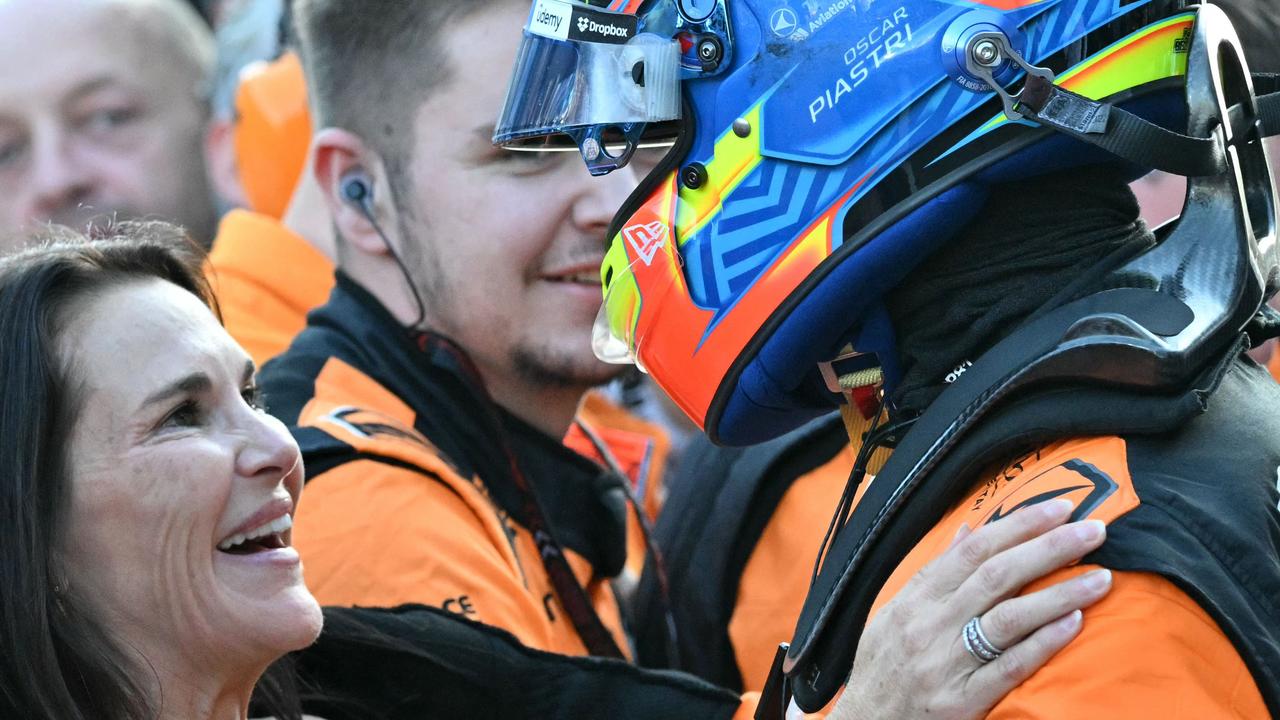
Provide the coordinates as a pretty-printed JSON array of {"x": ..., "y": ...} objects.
[{"x": 188, "y": 414}]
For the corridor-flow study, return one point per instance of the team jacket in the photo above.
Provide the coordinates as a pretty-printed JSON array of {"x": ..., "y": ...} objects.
[
  {"x": 1191, "y": 628},
  {"x": 739, "y": 532},
  {"x": 636, "y": 449},
  {"x": 410, "y": 497},
  {"x": 266, "y": 279}
]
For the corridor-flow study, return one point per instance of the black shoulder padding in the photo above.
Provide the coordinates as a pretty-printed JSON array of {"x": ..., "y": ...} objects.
[
  {"x": 720, "y": 500},
  {"x": 1208, "y": 521}
]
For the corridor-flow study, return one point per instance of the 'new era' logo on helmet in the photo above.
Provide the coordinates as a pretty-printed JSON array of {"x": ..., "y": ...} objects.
[{"x": 646, "y": 239}]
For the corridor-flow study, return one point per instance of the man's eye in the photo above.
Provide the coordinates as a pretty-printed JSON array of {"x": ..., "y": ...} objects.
[
  {"x": 188, "y": 414},
  {"x": 108, "y": 119},
  {"x": 527, "y": 159},
  {"x": 11, "y": 151},
  {"x": 253, "y": 397}
]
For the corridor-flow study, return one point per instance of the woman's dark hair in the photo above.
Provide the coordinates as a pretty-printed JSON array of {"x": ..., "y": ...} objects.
[{"x": 58, "y": 661}]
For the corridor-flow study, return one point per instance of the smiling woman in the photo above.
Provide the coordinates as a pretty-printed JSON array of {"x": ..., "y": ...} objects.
[{"x": 146, "y": 503}]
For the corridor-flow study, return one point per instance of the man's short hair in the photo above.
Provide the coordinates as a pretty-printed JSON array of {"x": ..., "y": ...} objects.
[{"x": 370, "y": 63}]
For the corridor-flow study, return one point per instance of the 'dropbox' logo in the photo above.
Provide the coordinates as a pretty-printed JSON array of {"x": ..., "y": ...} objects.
[{"x": 646, "y": 239}]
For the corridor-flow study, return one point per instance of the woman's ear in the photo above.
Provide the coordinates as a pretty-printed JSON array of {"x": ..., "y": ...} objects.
[{"x": 341, "y": 170}]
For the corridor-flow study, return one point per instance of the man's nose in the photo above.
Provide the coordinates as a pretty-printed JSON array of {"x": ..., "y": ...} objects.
[{"x": 602, "y": 197}]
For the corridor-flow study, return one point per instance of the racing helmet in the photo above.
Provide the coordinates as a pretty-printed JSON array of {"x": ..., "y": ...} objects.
[{"x": 820, "y": 150}]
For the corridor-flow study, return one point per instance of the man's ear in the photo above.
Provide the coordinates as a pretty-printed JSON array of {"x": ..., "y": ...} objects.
[
  {"x": 220, "y": 160},
  {"x": 339, "y": 156}
]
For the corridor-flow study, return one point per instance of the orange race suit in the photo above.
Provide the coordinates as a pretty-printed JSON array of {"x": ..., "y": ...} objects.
[
  {"x": 1187, "y": 482},
  {"x": 413, "y": 497},
  {"x": 1190, "y": 498},
  {"x": 740, "y": 531}
]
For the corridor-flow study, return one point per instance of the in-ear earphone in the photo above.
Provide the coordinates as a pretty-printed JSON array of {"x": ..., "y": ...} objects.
[{"x": 356, "y": 188}]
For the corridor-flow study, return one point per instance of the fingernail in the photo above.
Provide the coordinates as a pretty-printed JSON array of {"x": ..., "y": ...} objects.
[
  {"x": 1091, "y": 530},
  {"x": 1070, "y": 623},
  {"x": 962, "y": 533},
  {"x": 1057, "y": 509},
  {"x": 1096, "y": 580}
]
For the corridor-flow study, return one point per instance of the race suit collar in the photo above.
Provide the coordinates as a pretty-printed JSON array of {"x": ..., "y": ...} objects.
[
  {"x": 434, "y": 376},
  {"x": 1028, "y": 251}
]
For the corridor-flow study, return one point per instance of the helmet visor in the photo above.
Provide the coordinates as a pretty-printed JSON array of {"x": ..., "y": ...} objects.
[{"x": 586, "y": 74}]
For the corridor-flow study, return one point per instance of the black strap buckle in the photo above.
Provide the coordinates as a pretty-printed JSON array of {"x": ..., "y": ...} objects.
[
  {"x": 986, "y": 52},
  {"x": 775, "y": 698}
]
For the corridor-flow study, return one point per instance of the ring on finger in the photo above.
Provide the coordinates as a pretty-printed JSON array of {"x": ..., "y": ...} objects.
[{"x": 976, "y": 642}]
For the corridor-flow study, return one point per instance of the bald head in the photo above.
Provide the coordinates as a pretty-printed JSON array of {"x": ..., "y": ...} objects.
[{"x": 103, "y": 112}]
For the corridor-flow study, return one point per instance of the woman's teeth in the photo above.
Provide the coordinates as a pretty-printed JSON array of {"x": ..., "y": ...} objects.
[{"x": 279, "y": 525}]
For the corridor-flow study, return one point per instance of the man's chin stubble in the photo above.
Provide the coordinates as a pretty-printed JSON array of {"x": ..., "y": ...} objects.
[{"x": 541, "y": 369}]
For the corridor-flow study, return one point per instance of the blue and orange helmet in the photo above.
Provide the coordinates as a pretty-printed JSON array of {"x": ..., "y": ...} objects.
[{"x": 820, "y": 150}]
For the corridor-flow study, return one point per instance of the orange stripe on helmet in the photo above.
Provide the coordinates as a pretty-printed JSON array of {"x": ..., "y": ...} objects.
[{"x": 690, "y": 362}]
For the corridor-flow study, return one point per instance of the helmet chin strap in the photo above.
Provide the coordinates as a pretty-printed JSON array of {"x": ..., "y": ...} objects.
[{"x": 1111, "y": 128}]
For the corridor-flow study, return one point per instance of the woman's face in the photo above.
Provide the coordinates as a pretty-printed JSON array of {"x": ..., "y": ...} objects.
[{"x": 181, "y": 489}]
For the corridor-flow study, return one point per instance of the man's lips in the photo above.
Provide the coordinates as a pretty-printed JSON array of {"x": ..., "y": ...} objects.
[{"x": 582, "y": 273}]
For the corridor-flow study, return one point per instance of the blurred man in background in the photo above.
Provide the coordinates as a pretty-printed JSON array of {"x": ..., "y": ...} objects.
[{"x": 102, "y": 113}]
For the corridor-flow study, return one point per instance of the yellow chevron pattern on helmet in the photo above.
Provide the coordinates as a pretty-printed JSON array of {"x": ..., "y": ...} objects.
[{"x": 731, "y": 162}]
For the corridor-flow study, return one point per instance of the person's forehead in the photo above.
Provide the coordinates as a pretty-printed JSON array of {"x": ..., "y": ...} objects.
[
  {"x": 62, "y": 45},
  {"x": 477, "y": 81},
  {"x": 145, "y": 332}
]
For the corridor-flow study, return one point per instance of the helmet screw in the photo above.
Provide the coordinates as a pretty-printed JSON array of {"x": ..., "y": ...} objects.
[
  {"x": 694, "y": 175},
  {"x": 987, "y": 53},
  {"x": 741, "y": 127},
  {"x": 709, "y": 52}
]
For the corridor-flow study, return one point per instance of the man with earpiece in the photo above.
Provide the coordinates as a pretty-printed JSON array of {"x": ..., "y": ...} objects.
[
  {"x": 453, "y": 354},
  {"x": 431, "y": 392}
]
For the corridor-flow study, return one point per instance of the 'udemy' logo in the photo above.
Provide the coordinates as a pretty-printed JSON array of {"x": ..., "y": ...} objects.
[{"x": 646, "y": 239}]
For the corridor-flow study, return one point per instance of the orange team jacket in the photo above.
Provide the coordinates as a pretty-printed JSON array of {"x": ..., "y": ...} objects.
[
  {"x": 1147, "y": 650},
  {"x": 396, "y": 510},
  {"x": 266, "y": 279},
  {"x": 776, "y": 578},
  {"x": 639, "y": 451},
  {"x": 398, "y": 523},
  {"x": 485, "y": 565},
  {"x": 374, "y": 533},
  {"x": 1189, "y": 668}
]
